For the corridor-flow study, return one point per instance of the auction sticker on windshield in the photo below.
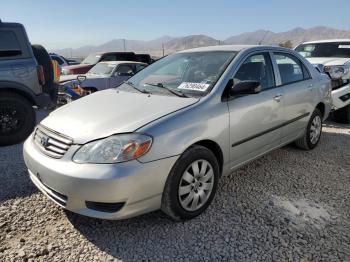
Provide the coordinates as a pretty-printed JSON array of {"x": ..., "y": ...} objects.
[{"x": 194, "y": 86}]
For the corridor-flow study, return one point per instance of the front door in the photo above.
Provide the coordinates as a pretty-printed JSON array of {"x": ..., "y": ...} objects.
[{"x": 255, "y": 120}]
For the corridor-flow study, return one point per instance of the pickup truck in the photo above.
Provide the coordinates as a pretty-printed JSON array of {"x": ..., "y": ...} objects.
[{"x": 333, "y": 58}]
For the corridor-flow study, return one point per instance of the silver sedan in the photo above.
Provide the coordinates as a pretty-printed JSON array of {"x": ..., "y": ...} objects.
[{"x": 163, "y": 139}]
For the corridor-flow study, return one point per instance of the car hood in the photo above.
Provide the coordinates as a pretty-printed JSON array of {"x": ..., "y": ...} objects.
[
  {"x": 65, "y": 78},
  {"x": 77, "y": 66},
  {"x": 328, "y": 61},
  {"x": 109, "y": 112}
]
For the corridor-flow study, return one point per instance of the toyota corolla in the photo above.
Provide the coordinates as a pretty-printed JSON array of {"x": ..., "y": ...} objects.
[{"x": 163, "y": 139}]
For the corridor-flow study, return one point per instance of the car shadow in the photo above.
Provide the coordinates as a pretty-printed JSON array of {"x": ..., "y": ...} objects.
[{"x": 240, "y": 211}]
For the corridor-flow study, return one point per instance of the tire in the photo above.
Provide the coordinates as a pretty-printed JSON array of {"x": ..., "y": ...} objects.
[
  {"x": 17, "y": 119},
  {"x": 342, "y": 115},
  {"x": 173, "y": 202},
  {"x": 43, "y": 58},
  {"x": 308, "y": 141}
]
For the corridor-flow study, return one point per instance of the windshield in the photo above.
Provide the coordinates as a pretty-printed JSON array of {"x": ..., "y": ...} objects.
[
  {"x": 336, "y": 49},
  {"x": 187, "y": 73},
  {"x": 91, "y": 59},
  {"x": 101, "y": 69}
]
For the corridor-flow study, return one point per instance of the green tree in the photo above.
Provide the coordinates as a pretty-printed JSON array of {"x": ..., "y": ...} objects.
[{"x": 286, "y": 44}]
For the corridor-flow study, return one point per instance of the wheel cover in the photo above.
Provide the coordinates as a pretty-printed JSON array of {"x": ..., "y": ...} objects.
[
  {"x": 196, "y": 185},
  {"x": 10, "y": 119},
  {"x": 315, "y": 129}
]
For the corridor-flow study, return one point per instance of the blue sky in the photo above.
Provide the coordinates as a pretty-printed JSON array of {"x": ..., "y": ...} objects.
[{"x": 62, "y": 23}]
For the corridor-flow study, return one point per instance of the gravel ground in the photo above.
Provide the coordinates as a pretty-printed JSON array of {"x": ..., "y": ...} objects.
[{"x": 289, "y": 205}]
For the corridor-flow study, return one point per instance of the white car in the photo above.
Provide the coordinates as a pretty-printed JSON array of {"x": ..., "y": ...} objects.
[
  {"x": 103, "y": 75},
  {"x": 333, "y": 58}
]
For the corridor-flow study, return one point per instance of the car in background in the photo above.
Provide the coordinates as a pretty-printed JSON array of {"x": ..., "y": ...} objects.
[
  {"x": 103, "y": 75},
  {"x": 164, "y": 138},
  {"x": 62, "y": 61},
  {"x": 333, "y": 58},
  {"x": 93, "y": 59},
  {"x": 26, "y": 81}
]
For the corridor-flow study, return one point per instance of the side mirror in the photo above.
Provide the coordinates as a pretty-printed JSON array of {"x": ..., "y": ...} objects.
[
  {"x": 246, "y": 87},
  {"x": 123, "y": 74},
  {"x": 81, "y": 79}
]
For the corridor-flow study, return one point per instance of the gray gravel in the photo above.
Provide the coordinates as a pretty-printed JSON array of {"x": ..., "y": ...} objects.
[{"x": 289, "y": 205}]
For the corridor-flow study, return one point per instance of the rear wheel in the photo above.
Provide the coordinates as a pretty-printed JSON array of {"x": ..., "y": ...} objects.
[
  {"x": 313, "y": 132},
  {"x": 17, "y": 119},
  {"x": 342, "y": 115},
  {"x": 191, "y": 184}
]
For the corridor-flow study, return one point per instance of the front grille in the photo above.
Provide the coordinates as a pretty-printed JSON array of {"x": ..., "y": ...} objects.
[
  {"x": 104, "y": 207},
  {"x": 50, "y": 142}
]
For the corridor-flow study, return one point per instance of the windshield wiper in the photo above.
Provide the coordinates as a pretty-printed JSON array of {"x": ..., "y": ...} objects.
[
  {"x": 133, "y": 86},
  {"x": 171, "y": 90}
]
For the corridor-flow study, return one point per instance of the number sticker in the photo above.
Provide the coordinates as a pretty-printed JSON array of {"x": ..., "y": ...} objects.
[{"x": 194, "y": 86}]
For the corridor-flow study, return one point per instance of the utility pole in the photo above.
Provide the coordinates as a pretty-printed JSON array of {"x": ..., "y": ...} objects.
[
  {"x": 124, "y": 42},
  {"x": 163, "y": 49}
]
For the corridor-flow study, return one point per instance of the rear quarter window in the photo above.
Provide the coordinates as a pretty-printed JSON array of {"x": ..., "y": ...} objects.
[{"x": 9, "y": 44}]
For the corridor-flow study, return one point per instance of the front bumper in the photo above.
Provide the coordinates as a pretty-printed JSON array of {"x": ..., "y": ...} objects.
[
  {"x": 137, "y": 186},
  {"x": 341, "y": 97}
]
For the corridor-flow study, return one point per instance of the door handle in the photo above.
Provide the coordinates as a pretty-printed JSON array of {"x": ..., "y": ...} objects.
[{"x": 278, "y": 97}]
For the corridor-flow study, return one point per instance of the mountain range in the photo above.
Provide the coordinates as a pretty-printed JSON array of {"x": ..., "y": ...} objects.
[{"x": 168, "y": 44}]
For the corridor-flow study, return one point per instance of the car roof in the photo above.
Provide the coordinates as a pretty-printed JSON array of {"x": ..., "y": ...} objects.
[
  {"x": 235, "y": 48},
  {"x": 121, "y": 62},
  {"x": 327, "y": 41}
]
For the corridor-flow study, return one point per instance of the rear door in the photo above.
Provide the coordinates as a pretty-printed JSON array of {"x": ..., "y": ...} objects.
[
  {"x": 296, "y": 82},
  {"x": 255, "y": 120}
]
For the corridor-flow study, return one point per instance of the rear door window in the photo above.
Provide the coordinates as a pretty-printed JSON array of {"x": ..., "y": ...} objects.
[
  {"x": 9, "y": 44},
  {"x": 291, "y": 68}
]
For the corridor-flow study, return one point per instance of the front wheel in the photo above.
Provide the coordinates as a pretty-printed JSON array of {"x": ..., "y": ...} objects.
[
  {"x": 17, "y": 119},
  {"x": 312, "y": 133},
  {"x": 191, "y": 184}
]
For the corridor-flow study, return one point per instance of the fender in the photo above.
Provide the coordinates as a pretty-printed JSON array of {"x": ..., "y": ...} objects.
[{"x": 40, "y": 100}]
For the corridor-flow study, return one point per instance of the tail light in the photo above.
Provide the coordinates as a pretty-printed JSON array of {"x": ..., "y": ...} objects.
[{"x": 41, "y": 75}]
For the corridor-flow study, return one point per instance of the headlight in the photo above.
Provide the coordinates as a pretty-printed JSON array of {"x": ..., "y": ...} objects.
[
  {"x": 337, "y": 72},
  {"x": 114, "y": 149}
]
